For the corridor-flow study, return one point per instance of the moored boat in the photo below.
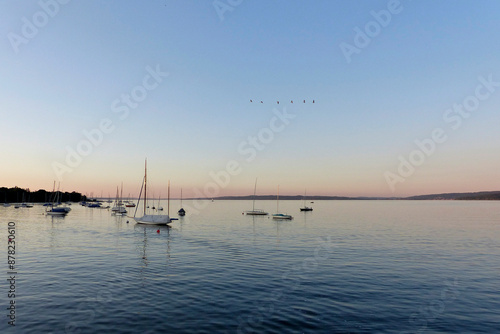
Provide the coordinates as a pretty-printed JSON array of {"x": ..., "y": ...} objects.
[
  {"x": 305, "y": 208},
  {"x": 282, "y": 216},
  {"x": 118, "y": 208},
  {"x": 149, "y": 219},
  {"x": 181, "y": 211},
  {"x": 278, "y": 215},
  {"x": 54, "y": 209},
  {"x": 254, "y": 211}
]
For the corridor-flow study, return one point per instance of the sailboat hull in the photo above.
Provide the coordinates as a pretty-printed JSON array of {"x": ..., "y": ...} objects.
[
  {"x": 57, "y": 213},
  {"x": 281, "y": 216},
  {"x": 256, "y": 213},
  {"x": 153, "y": 220},
  {"x": 119, "y": 210}
]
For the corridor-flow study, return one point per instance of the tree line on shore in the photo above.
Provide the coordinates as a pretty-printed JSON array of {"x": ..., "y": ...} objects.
[{"x": 19, "y": 195}]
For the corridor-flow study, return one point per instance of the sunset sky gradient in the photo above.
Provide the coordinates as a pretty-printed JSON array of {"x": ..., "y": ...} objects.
[{"x": 73, "y": 72}]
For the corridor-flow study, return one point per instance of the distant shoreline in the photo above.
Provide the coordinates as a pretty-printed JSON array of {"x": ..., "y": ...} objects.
[
  {"x": 14, "y": 195},
  {"x": 470, "y": 196},
  {"x": 20, "y": 195}
]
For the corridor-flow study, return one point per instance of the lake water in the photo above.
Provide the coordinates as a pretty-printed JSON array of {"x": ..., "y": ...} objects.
[{"x": 346, "y": 267}]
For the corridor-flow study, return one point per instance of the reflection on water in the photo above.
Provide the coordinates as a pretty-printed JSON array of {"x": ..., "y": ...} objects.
[
  {"x": 158, "y": 232},
  {"x": 54, "y": 230},
  {"x": 387, "y": 269}
]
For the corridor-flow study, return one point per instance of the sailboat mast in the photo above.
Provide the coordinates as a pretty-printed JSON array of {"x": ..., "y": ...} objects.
[
  {"x": 58, "y": 192},
  {"x": 117, "y": 198},
  {"x": 168, "y": 199},
  {"x": 254, "y": 191},
  {"x": 278, "y": 200},
  {"x": 53, "y": 197},
  {"x": 145, "y": 184}
]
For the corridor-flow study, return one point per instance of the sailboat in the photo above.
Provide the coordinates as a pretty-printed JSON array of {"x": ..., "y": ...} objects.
[
  {"x": 181, "y": 211},
  {"x": 118, "y": 208},
  {"x": 27, "y": 205},
  {"x": 278, "y": 215},
  {"x": 54, "y": 210},
  {"x": 24, "y": 204},
  {"x": 129, "y": 203},
  {"x": 255, "y": 212},
  {"x": 305, "y": 208},
  {"x": 6, "y": 204},
  {"x": 160, "y": 208},
  {"x": 147, "y": 218}
]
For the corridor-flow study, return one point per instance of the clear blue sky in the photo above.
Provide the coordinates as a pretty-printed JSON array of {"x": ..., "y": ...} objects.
[{"x": 65, "y": 77}]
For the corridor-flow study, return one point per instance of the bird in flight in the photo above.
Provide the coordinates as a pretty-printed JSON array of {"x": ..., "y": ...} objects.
[{"x": 278, "y": 102}]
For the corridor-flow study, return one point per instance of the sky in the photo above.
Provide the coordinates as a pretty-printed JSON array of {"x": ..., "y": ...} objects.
[{"x": 406, "y": 96}]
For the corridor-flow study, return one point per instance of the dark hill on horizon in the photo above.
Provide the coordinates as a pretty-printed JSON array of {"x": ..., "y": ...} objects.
[
  {"x": 469, "y": 196},
  {"x": 482, "y": 195},
  {"x": 18, "y": 195},
  {"x": 284, "y": 197}
]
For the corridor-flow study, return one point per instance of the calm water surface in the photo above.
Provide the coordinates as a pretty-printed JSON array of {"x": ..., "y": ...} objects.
[{"x": 346, "y": 267}]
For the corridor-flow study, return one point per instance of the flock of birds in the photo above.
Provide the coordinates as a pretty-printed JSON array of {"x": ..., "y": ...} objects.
[{"x": 278, "y": 102}]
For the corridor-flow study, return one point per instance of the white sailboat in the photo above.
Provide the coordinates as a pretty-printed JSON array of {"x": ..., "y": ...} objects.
[
  {"x": 149, "y": 219},
  {"x": 118, "y": 208},
  {"x": 255, "y": 212},
  {"x": 278, "y": 215},
  {"x": 129, "y": 203}
]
